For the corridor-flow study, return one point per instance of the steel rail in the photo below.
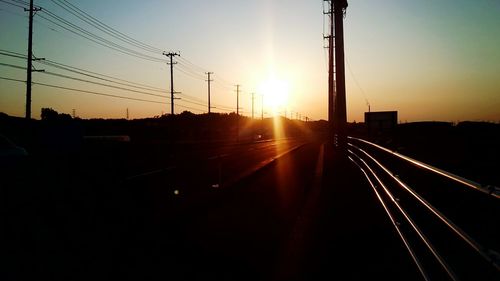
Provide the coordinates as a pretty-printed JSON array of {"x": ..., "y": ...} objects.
[
  {"x": 489, "y": 189},
  {"x": 395, "y": 224},
  {"x": 484, "y": 252},
  {"x": 412, "y": 223}
]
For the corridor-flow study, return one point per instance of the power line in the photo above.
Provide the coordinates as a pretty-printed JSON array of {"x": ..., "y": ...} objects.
[
  {"x": 77, "y": 12},
  {"x": 20, "y": 2},
  {"x": 121, "y": 36},
  {"x": 83, "y": 91},
  {"x": 77, "y": 30},
  {"x": 19, "y": 6},
  {"x": 13, "y": 66},
  {"x": 192, "y": 66},
  {"x": 128, "y": 84},
  {"x": 86, "y": 72},
  {"x": 102, "y": 84},
  {"x": 192, "y": 108},
  {"x": 186, "y": 98},
  {"x": 116, "y": 31},
  {"x": 203, "y": 102},
  {"x": 186, "y": 66},
  {"x": 12, "y": 54},
  {"x": 87, "y": 81},
  {"x": 189, "y": 73},
  {"x": 96, "y": 93},
  {"x": 12, "y": 79},
  {"x": 357, "y": 84},
  {"x": 186, "y": 61}
]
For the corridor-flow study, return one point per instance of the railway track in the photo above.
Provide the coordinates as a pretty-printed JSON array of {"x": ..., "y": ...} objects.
[{"x": 448, "y": 224}]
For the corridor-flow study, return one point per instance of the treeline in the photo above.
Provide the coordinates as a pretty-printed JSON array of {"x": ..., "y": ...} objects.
[{"x": 60, "y": 129}]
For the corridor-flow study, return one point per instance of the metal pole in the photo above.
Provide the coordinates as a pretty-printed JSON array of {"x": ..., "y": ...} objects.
[
  {"x": 331, "y": 80},
  {"x": 340, "y": 100}
]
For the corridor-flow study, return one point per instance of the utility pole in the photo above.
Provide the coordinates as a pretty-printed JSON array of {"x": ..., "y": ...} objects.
[
  {"x": 253, "y": 98},
  {"x": 171, "y": 56},
  {"x": 74, "y": 113},
  {"x": 29, "y": 68},
  {"x": 127, "y": 113},
  {"x": 208, "y": 80},
  {"x": 331, "y": 79},
  {"x": 337, "y": 113},
  {"x": 262, "y": 108},
  {"x": 238, "y": 100},
  {"x": 339, "y": 7},
  {"x": 237, "y": 113}
]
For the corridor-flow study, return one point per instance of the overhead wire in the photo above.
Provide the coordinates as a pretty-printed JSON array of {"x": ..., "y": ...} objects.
[
  {"x": 186, "y": 61},
  {"x": 13, "y": 4},
  {"x": 85, "y": 72},
  {"x": 86, "y": 81},
  {"x": 186, "y": 97},
  {"x": 96, "y": 93},
  {"x": 186, "y": 66},
  {"x": 13, "y": 66},
  {"x": 12, "y": 79},
  {"x": 21, "y": 2},
  {"x": 190, "y": 74},
  {"x": 82, "y": 91},
  {"x": 72, "y": 9},
  {"x": 128, "y": 83},
  {"x": 116, "y": 31},
  {"x": 357, "y": 83},
  {"x": 13, "y": 54},
  {"x": 75, "y": 29},
  {"x": 102, "y": 84}
]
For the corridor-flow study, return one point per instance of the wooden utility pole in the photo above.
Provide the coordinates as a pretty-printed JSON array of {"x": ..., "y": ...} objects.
[
  {"x": 171, "y": 56},
  {"x": 208, "y": 80}
]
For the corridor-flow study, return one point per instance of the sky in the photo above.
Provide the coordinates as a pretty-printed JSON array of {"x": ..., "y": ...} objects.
[{"x": 429, "y": 60}]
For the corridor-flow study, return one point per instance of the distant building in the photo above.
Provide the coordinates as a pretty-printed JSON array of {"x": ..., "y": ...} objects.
[{"x": 381, "y": 120}]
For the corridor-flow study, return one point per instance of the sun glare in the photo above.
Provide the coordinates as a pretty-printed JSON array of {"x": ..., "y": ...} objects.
[{"x": 276, "y": 93}]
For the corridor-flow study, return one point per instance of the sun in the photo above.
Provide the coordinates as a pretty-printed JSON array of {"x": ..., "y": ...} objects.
[{"x": 276, "y": 93}]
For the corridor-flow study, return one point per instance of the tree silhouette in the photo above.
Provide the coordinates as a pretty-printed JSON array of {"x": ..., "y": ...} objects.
[{"x": 49, "y": 114}]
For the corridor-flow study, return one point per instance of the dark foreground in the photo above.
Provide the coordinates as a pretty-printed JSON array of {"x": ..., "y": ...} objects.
[
  {"x": 268, "y": 210},
  {"x": 276, "y": 224}
]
